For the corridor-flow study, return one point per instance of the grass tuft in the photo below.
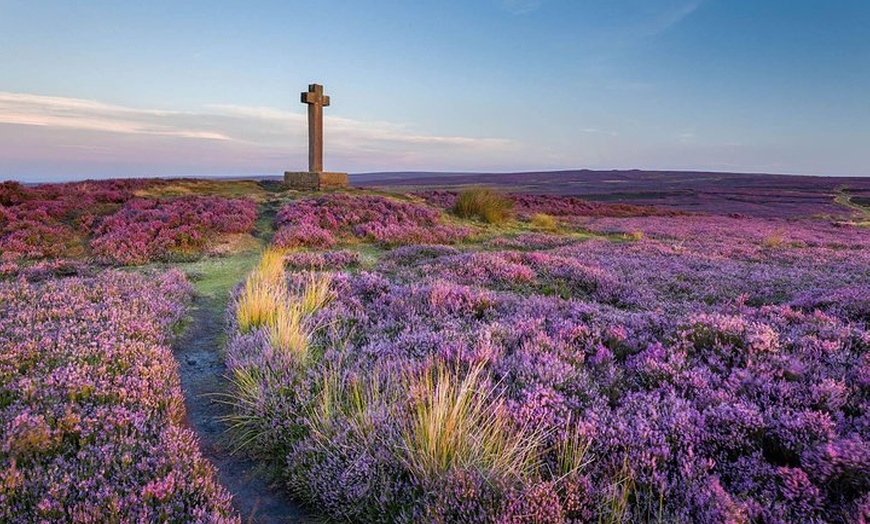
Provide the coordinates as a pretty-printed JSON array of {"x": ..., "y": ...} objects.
[
  {"x": 544, "y": 222},
  {"x": 486, "y": 204},
  {"x": 258, "y": 304},
  {"x": 292, "y": 328},
  {"x": 459, "y": 424},
  {"x": 271, "y": 267},
  {"x": 572, "y": 451}
]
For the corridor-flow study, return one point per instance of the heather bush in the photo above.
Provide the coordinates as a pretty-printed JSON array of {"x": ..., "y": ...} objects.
[
  {"x": 527, "y": 205},
  {"x": 341, "y": 259},
  {"x": 321, "y": 222},
  {"x": 674, "y": 378},
  {"x": 54, "y": 220},
  {"x": 44, "y": 269},
  {"x": 92, "y": 412},
  {"x": 146, "y": 230},
  {"x": 530, "y": 241}
]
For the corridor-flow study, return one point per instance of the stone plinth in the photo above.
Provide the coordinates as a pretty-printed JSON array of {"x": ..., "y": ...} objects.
[{"x": 314, "y": 181}]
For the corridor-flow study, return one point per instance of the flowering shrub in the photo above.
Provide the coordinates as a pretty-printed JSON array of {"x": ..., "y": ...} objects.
[
  {"x": 65, "y": 220},
  {"x": 145, "y": 229},
  {"x": 527, "y": 205},
  {"x": 322, "y": 221},
  {"x": 530, "y": 241},
  {"x": 322, "y": 261},
  {"x": 694, "y": 374},
  {"x": 91, "y": 422},
  {"x": 54, "y": 220},
  {"x": 45, "y": 269}
]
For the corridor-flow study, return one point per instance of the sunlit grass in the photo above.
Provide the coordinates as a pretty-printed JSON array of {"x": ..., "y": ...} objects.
[
  {"x": 485, "y": 204},
  {"x": 258, "y": 304},
  {"x": 544, "y": 222},
  {"x": 460, "y": 424},
  {"x": 316, "y": 293},
  {"x": 271, "y": 267},
  {"x": 224, "y": 188}
]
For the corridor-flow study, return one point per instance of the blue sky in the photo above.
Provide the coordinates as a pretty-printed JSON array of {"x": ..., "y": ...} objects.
[{"x": 119, "y": 88}]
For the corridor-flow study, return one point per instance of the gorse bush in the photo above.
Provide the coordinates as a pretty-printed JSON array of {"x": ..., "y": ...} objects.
[{"x": 485, "y": 204}]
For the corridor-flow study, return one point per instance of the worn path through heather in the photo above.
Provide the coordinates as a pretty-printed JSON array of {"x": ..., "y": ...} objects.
[{"x": 199, "y": 354}]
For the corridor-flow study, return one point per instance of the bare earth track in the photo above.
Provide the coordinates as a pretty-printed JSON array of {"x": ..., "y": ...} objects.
[{"x": 202, "y": 379}]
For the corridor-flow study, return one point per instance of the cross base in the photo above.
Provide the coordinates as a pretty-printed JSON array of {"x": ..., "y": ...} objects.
[{"x": 314, "y": 181}]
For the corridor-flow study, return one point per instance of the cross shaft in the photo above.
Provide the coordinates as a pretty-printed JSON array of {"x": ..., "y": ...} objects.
[{"x": 316, "y": 101}]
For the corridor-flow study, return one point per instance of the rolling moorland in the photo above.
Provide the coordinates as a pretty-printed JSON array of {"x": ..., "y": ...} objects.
[{"x": 230, "y": 351}]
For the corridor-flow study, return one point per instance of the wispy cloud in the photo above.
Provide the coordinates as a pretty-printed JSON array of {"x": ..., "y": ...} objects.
[
  {"x": 219, "y": 138},
  {"x": 520, "y": 7},
  {"x": 351, "y": 133},
  {"x": 74, "y": 113}
]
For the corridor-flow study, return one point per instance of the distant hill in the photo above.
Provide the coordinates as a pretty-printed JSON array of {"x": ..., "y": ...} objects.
[{"x": 756, "y": 194}]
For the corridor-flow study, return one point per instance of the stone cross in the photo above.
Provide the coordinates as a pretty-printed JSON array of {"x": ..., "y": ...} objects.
[
  {"x": 315, "y": 179},
  {"x": 316, "y": 101}
]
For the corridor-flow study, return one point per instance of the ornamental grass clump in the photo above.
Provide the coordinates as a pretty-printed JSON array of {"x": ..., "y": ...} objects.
[
  {"x": 485, "y": 204},
  {"x": 460, "y": 423}
]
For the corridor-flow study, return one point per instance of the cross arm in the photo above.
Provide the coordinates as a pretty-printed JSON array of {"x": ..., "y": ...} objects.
[{"x": 315, "y": 98}]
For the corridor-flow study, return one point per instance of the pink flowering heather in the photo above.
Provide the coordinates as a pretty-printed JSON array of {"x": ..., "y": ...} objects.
[
  {"x": 526, "y": 205},
  {"x": 44, "y": 269},
  {"x": 322, "y": 260},
  {"x": 53, "y": 220},
  {"x": 148, "y": 229},
  {"x": 91, "y": 408},
  {"x": 718, "y": 370},
  {"x": 322, "y": 221}
]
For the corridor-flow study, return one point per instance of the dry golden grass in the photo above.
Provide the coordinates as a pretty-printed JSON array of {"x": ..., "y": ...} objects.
[
  {"x": 457, "y": 423},
  {"x": 316, "y": 294},
  {"x": 264, "y": 293},
  {"x": 773, "y": 240},
  {"x": 265, "y": 301},
  {"x": 288, "y": 333},
  {"x": 486, "y": 204},
  {"x": 258, "y": 304},
  {"x": 572, "y": 452},
  {"x": 544, "y": 222},
  {"x": 271, "y": 267}
]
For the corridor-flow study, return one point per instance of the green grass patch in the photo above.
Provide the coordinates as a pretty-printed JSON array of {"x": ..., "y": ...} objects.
[{"x": 222, "y": 188}]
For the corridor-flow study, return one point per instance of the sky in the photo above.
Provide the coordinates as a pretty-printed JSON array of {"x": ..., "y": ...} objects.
[{"x": 100, "y": 88}]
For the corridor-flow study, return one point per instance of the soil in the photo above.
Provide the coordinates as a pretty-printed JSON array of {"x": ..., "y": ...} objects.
[{"x": 202, "y": 380}]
